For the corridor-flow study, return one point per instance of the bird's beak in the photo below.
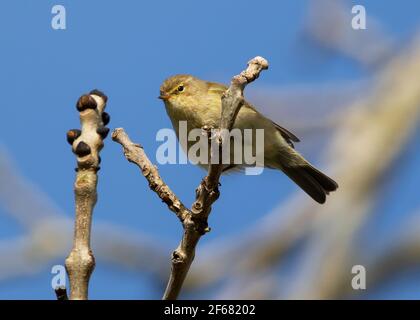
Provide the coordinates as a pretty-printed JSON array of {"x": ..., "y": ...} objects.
[{"x": 164, "y": 96}]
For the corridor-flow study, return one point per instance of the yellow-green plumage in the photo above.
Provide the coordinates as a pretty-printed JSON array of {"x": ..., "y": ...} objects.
[{"x": 198, "y": 103}]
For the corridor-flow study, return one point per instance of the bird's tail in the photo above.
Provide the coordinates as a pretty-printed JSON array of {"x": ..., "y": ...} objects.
[{"x": 311, "y": 180}]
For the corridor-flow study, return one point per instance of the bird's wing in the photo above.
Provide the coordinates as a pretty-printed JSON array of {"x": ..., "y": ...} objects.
[
  {"x": 218, "y": 88},
  {"x": 286, "y": 134}
]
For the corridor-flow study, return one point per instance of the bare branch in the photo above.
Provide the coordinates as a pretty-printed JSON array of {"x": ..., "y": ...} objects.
[
  {"x": 135, "y": 154},
  {"x": 86, "y": 145},
  {"x": 195, "y": 225},
  {"x": 194, "y": 221}
]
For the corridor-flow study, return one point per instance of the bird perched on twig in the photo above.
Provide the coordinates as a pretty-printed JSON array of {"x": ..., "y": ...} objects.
[{"x": 198, "y": 103}]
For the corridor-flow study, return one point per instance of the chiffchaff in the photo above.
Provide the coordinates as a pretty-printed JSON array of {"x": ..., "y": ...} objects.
[{"x": 198, "y": 103}]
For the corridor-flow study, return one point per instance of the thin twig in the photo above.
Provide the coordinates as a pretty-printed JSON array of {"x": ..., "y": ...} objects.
[
  {"x": 86, "y": 144},
  {"x": 61, "y": 293},
  {"x": 135, "y": 154},
  {"x": 194, "y": 221},
  {"x": 207, "y": 192}
]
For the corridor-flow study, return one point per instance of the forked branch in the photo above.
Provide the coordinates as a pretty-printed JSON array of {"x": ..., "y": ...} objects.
[{"x": 194, "y": 221}]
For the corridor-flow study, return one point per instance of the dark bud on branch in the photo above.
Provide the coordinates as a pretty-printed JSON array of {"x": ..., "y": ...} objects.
[
  {"x": 99, "y": 93},
  {"x": 85, "y": 102},
  {"x": 105, "y": 118},
  {"x": 82, "y": 149},
  {"x": 72, "y": 135},
  {"x": 103, "y": 132}
]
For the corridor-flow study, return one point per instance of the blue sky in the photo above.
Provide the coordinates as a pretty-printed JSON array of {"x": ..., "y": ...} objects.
[{"x": 126, "y": 49}]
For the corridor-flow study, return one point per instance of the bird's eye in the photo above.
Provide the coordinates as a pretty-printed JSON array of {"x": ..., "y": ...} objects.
[{"x": 180, "y": 88}]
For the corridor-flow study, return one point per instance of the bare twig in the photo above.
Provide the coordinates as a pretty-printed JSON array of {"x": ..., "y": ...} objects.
[
  {"x": 207, "y": 193},
  {"x": 135, "y": 154},
  {"x": 61, "y": 293},
  {"x": 194, "y": 221},
  {"x": 86, "y": 145}
]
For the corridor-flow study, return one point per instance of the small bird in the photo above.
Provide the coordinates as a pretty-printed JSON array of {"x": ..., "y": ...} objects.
[{"x": 198, "y": 102}]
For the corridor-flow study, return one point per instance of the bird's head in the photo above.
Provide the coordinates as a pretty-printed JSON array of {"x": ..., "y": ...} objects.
[{"x": 181, "y": 90}]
